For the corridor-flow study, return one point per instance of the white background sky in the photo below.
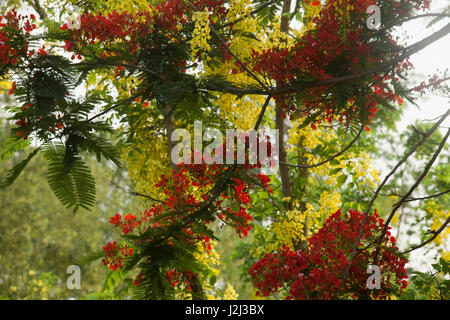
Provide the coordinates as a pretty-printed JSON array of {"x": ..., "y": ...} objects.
[{"x": 434, "y": 57}]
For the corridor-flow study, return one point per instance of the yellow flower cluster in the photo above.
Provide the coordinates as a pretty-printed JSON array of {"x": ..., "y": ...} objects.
[
  {"x": 212, "y": 259},
  {"x": 5, "y": 86},
  {"x": 309, "y": 138},
  {"x": 131, "y": 6},
  {"x": 230, "y": 293},
  {"x": 276, "y": 39},
  {"x": 329, "y": 203},
  {"x": 310, "y": 12},
  {"x": 292, "y": 226},
  {"x": 439, "y": 216},
  {"x": 149, "y": 161},
  {"x": 201, "y": 33},
  {"x": 365, "y": 175},
  {"x": 238, "y": 9},
  {"x": 241, "y": 112},
  {"x": 364, "y": 172},
  {"x": 342, "y": 7}
]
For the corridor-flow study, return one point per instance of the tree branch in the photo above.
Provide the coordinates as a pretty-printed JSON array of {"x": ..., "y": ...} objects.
[
  {"x": 118, "y": 104},
  {"x": 329, "y": 159},
  {"x": 279, "y": 119},
  {"x": 261, "y": 114},
  {"x": 410, "y": 191},
  {"x": 435, "y": 234},
  {"x": 263, "y": 6},
  {"x": 37, "y": 7},
  {"x": 224, "y": 44},
  {"x": 416, "y": 47},
  {"x": 426, "y": 197},
  {"x": 134, "y": 193}
]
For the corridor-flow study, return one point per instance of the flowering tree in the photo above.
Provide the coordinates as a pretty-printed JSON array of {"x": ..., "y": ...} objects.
[{"x": 138, "y": 70}]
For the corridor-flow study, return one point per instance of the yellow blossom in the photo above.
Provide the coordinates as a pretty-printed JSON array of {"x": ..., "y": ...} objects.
[{"x": 230, "y": 293}]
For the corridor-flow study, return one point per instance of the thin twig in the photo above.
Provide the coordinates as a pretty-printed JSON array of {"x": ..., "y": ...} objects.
[
  {"x": 118, "y": 104},
  {"x": 426, "y": 197},
  {"x": 37, "y": 7},
  {"x": 224, "y": 44},
  {"x": 429, "y": 85},
  {"x": 134, "y": 193},
  {"x": 435, "y": 234},
  {"x": 327, "y": 160},
  {"x": 261, "y": 114},
  {"x": 263, "y": 6}
]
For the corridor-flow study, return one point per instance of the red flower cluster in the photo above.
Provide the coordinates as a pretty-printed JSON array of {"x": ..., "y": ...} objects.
[
  {"x": 22, "y": 123},
  {"x": 166, "y": 18},
  {"x": 12, "y": 45},
  {"x": 130, "y": 223},
  {"x": 272, "y": 272},
  {"x": 138, "y": 280},
  {"x": 317, "y": 272},
  {"x": 433, "y": 82},
  {"x": 321, "y": 55},
  {"x": 112, "y": 259},
  {"x": 182, "y": 201},
  {"x": 177, "y": 278}
]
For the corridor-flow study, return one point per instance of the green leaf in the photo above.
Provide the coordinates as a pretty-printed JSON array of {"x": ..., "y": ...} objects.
[
  {"x": 12, "y": 145},
  {"x": 92, "y": 257},
  {"x": 213, "y": 280},
  {"x": 302, "y": 182},
  {"x": 92, "y": 78},
  {"x": 16, "y": 170},
  {"x": 341, "y": 180},
  {"x": 436, "y": 266},
  {"x": 445, "y": 265},
  {"x": 111, "y": 281},
  {"x": 334, "y": 171},
  {"x": 334, "y": 162},
  {"x": 74, "y": 188},
  {"x": 101, "y": 148}
]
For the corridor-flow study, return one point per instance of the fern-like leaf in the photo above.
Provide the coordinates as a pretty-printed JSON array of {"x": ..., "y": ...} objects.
[
  {"x": 75, "y": 187},
  {"x": 12, "y": 145},
  {"x": 16, "y": 170},
  {"x": 101, "y": 148}
]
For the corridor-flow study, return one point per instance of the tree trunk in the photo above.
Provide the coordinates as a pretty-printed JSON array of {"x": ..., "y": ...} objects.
[
  {"x": 169, "y": 121},
  {"x": 280, "y": 125},
  {"x": 279, "y": 121}
]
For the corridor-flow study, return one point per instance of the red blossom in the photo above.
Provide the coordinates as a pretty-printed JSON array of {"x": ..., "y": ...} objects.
[{"x": 316, "y": 273}]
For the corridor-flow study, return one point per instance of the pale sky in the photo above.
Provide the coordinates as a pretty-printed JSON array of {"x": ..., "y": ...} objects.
[{"x": 434, "y": 57}]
